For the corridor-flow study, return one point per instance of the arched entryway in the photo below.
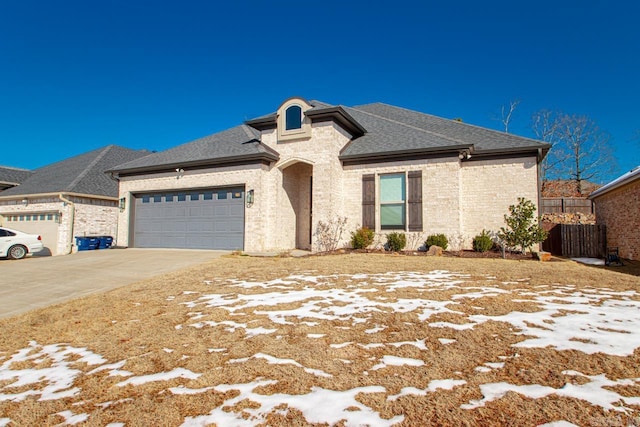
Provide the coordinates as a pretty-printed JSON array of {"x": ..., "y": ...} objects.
[{"x": 297, "y": 182}]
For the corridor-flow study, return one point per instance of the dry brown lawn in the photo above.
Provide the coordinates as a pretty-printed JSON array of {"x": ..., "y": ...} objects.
[{"x": 350, "y": 339}]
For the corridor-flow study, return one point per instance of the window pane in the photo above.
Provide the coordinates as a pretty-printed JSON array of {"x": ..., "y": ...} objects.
[
  {"x": 392, "y": 188},
  {"x": 293, "y": 117},
  {"x": 145, "y": 199},
  {"x": 42, "y": 217},
  {"x": 157, "y": 198},
  {"x": 182, "y": 197},
  {"x": 208, "y": 196},
  {"x": 392, "y": 215},
  {"x": 195, "y": 196},
  {"x": 168, "y": 198},
  {"x": 222, "y": 195}
]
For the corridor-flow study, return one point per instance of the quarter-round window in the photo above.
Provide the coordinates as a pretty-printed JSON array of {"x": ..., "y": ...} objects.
[{"x": 293, "y": 117}]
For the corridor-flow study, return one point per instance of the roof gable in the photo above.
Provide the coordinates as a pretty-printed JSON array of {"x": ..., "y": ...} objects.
[{"x": 82, "y": 174}]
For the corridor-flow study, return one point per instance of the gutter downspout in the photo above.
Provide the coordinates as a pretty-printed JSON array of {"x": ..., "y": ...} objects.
[
  {"x": 114, "y": 176},
  {"x": 73, "y": 220}
]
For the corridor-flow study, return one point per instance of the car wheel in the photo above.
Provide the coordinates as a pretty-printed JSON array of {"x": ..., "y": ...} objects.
[{"x": 17, "y": 252}]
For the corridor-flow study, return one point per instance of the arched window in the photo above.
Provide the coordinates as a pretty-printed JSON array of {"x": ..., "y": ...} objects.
[{"x": 293, "y": 117}]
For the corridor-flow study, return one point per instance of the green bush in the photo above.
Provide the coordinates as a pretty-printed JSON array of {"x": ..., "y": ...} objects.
[
  {"x": 437, "y": 240},
  {"x": 482, "y": 242},
  {"x": 396, "y": 241},
  {"x": 522, "y": 228},
  {"x": 362, "y": 238}
]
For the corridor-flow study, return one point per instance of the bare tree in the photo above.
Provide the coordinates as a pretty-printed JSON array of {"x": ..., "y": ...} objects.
[
  {"x": 544, "y": 124},
  {"x": 580, "y": 150},
  {"x": 587, "y": 149},
  {"x": 506, "y": 113}
]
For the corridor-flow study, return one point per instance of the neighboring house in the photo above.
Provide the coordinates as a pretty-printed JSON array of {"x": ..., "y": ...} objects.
[
  {"x": 70, "y": 198},
  {"x": 618, "y": 208},
  {"x": 11, "y": 177},
  {"x": 268, "y": 183}
]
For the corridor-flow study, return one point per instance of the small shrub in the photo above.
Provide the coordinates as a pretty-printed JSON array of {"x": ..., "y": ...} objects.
[
  {"x": 437, "y": 240},
  {"x": 482, "y": 242},
  {"x": 329, "y": 233},
  {"x": 396, "y": 241},
  {"x": 362, "y": 238},
  {"x": 522, "y": 226}
]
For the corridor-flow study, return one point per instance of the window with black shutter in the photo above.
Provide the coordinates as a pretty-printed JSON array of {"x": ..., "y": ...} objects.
[{"x": 369, "y": 201}]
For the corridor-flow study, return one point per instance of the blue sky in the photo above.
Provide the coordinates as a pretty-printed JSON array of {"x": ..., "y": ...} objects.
[{"x": 79, "y": 75}]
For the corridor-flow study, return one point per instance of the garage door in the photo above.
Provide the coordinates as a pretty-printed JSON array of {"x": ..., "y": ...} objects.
[
  {"x": 204, "y": 219},
  {"x": 43, "y": 223}
]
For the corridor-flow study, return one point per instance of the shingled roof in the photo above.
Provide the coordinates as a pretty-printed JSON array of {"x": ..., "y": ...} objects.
[
  {"x": 394, "y": 130},
  {"x": 240, "y": 143},
  {"x": 379, "y": 131},
  {"x": 10, "y": 177},
  {"x": 82, "y": 174}
]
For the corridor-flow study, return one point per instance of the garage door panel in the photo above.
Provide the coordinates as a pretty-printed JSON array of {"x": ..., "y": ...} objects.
[
  {"x": 236, "y": 226},
  {"x": 221, "y": 210},
  {"x": 237, "y": 210},
  {"x": 209, "y": 219}
]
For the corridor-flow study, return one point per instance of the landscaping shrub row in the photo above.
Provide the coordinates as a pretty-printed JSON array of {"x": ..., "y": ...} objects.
[{"x": 522, "y": 232}]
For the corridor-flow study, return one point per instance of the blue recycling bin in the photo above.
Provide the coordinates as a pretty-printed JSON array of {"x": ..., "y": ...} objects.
[
  {"x": 105, "y": 242},
  {"x": 86, "y": 243}
]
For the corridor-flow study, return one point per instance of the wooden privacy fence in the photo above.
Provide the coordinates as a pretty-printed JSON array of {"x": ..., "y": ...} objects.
[
  {"x": 565, "y": 205},
  {"x": 575, "y": 241}
]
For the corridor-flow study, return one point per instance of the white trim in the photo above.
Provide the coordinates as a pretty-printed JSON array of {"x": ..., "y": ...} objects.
[{"x": 627, "y": 178}]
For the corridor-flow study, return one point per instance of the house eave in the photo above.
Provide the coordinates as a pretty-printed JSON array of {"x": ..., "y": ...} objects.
[
  {"x": 629, "y": 177},
  {"x": 56, "y": 194},
  {"x": 468, "y": 152},
  {"x": 263, "y": 123},
  {"x": 266, "y": 158},
  {"x": 419, "y": 153}
]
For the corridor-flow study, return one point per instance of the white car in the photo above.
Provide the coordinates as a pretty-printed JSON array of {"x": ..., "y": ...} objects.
[{"x": 15, "y": 244}]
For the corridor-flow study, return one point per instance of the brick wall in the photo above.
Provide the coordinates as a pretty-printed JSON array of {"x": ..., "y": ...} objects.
[
  {"x": 440, "y": 196},
  {"x": 489, "y": 187},
  {"x": 459, "y": 199},
  {"x": 619, "y": 210}
]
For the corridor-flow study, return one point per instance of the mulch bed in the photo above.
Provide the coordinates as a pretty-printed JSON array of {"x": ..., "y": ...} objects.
[{"x": 450, "y": 254}]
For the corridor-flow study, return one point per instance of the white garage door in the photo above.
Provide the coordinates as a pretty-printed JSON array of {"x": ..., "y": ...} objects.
[
  {"x": 203, "y": 219},
  {"x": 43, "y": 223}
]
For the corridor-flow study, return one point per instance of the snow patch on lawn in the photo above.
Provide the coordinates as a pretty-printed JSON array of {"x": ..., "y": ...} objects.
[
  {"x": 51, "y": 371},
  {"x": 593, "y": 392},
  {"x": 318, "y": 406}
]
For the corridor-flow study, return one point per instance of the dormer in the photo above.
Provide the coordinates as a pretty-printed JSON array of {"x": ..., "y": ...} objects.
[{"x": 292, "y": 122}]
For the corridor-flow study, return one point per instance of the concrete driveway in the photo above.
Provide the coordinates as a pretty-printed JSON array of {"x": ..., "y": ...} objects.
[{"x": 36, "y": 282}]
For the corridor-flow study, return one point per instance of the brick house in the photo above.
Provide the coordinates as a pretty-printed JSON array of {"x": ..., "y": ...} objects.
[
  {"x": 267, "y": 183},
  {"x": 70, "y": 198},
  {"x": 618, "y": 208}
]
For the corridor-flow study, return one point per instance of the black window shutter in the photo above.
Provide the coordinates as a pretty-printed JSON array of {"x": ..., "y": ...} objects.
[
  {"x": 415, "y": 200},
  {"x": 369, "y": 201}
]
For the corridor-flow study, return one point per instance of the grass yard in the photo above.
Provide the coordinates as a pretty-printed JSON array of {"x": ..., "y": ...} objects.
[{"x": 347, "y": 340}]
